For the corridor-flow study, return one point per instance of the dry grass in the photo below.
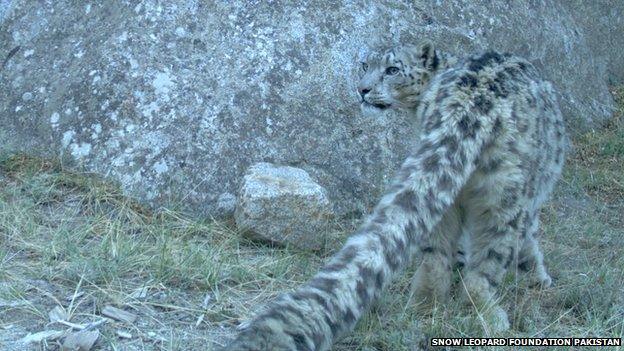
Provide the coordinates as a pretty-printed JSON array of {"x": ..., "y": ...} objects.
[
  {"x": 62, "y": 231},
  {"x": 73, "y": 240}
]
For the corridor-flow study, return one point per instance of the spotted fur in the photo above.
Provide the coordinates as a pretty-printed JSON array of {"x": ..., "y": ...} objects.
[{"x": 490, "y": 150}]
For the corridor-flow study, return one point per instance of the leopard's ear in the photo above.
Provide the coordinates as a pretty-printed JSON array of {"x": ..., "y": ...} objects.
[{"x": 427, "y": 55}]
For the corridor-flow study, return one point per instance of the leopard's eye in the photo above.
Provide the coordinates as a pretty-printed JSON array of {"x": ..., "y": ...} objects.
[
  {"x": 392, "y": 71},
  {"x": 364, "y": 66}
]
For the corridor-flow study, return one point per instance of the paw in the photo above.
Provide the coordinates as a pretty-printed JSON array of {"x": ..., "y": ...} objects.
[
  {"x": 424, "y": 301},
  {"x": 497, "y": 320},
  {"x": 541, "y": 281},
  {"x": 545, "y": 282}
]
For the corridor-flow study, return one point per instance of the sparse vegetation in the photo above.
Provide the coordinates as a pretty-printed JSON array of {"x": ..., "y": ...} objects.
[{"x": 74, "y": 240}]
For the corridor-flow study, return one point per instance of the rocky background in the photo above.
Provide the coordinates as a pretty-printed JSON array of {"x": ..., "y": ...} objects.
[{"x": 176, "y": 99}]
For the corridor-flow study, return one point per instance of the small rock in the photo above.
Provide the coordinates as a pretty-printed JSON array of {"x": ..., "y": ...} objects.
[
  {"x": 283, "y": 205},
  {"x": 74, "y": 296},
  {"x": 118, "y": 314},
  {"x": 58, "y": 313},
  {"x": 80, "y": 341},
  {"x": 123, "y": 334},
  {"x": 199, "y": 320},
  {"x": 155, "y": 337},
  {"x": 43, "y": 335},
  {"x": 27, "y": 96},
  {"x": 226, "y": 205},
  {"x": 140, "y": 293},
  {"x": 207, "y": 300}
]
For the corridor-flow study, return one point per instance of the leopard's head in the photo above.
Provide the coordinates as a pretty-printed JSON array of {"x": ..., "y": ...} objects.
[{"x": 397, "y": 77}]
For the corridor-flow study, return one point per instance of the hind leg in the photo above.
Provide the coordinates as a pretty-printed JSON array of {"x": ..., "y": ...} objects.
[
  {"x": 530, "y": 258},
  {"x": 492, "y": 252},
  {"x": 432, "y": 280}
]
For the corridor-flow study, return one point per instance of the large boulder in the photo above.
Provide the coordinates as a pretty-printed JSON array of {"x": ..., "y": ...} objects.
[{"x": 176, "y": 99}]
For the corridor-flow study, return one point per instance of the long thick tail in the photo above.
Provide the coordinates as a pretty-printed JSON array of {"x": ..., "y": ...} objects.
[{"x": 330, "y": 304}]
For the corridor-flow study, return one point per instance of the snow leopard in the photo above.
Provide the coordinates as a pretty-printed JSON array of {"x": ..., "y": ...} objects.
[{"x": 490, "y": 147}]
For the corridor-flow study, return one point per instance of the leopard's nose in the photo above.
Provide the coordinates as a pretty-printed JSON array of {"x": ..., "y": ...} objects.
[{"x": 363, "y": 91}]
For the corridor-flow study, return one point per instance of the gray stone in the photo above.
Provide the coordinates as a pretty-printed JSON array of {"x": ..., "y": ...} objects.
[
  {"x": 4, "y": 8},
  {"x": 176, "y": 99},
  {"x": 283, "y": 205},
  {"x": 226, "y": 205},
  {"x": 601, "y": 25}
]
